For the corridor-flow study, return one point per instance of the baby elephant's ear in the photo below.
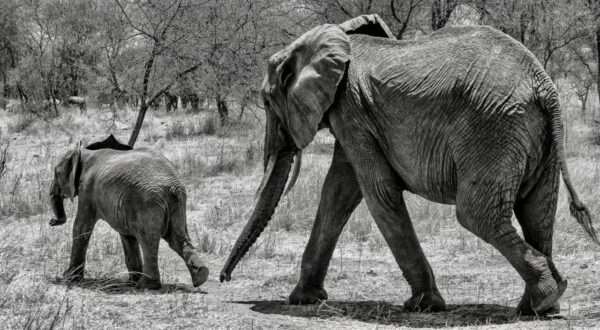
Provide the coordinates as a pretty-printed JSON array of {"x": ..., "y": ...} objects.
[
  {"x": 371, "y": 25},
  {"x": 74, "y": 171}
]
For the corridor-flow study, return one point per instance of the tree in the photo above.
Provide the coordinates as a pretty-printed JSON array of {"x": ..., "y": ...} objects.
[
  {"x": 403, "y": 16},
  {"x": 155, "y": 27},
  {"x": 8, "y": 42},
  {"x": 440, "y": 12}
]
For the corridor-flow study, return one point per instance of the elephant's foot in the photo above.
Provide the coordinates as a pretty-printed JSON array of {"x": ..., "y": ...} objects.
[
  {"x": 426, "y": 302},
  {"x": 303, "y": 295},
  {"x": 198, "y": 270},
  {"x": 134, "y": 277},
  {"x": 199, "y": 275},
  {"x": 73, "y": 275},
  {"x": 542, "y": 299},
  {"x": 57, "y": 222},
  {"x": 148, "y": 283}
]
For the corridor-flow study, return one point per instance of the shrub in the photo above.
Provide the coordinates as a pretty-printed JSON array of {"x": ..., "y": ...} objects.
[{"x": 209, "y": 125}]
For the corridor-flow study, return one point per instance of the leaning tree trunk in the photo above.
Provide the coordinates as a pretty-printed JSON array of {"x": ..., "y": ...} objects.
[
  {"x": 143, "y": 102},
  {"x": 598, "y": 60},
  {"x": 222, "y": 109},
  {"x": 440, "y": 12}
]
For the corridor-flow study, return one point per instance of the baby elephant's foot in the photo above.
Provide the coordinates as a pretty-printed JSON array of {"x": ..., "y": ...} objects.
[
  {"x": 73, "y": 275},
  {"x": 303, "y": 295},
  {"x": 57, "y": 222},
  {"x": 197, "y": 268},
  {"x": 199, "y": 275},
  {"x": 148, "y": 283},
  {"x": 426, "y": 302},
  {"x": 542, "y": 299}
]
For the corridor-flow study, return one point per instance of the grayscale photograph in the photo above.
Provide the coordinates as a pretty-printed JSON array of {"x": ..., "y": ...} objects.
[{"x": 299, "y": 164}]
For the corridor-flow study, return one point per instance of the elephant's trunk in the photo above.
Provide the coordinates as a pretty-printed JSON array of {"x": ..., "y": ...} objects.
[
  {"x": 56, "y": 203},
  {"x": 278, "y": 162},
  {"x": 267, "y": 201}
]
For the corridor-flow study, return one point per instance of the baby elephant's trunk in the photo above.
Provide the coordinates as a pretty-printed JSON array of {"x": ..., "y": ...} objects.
[{"x": 56, "y": 203}]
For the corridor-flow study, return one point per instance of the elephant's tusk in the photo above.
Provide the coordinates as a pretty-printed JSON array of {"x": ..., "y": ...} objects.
[
  {"x": 295, "y": 172},
  {"x": 266, "y": 176}
]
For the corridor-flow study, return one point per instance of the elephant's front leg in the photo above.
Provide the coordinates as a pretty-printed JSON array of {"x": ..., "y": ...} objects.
[
  {"x": 133, "y": 259},
  {"x": 82, "y": 231},
  {"x": 382, "y": 190},
  {"x": 339, "y": 197}
]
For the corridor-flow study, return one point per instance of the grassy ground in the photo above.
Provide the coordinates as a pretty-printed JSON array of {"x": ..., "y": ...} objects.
[{"x": 221, "y": 170}]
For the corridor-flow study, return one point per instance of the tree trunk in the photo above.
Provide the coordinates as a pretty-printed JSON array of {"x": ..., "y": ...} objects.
[
  {"x": 143, "y": 102},
  {"x": 598, "y": 60},
  {"x": 440, "y": 12},
  {"x": 5, "y": 88},
  {"x": 222, "y": 109}
]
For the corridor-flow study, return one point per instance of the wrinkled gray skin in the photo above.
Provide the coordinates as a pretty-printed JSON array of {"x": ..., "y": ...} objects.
[
  {"x": 138, "y": 193},
  {"x": 464, "y": 116}
]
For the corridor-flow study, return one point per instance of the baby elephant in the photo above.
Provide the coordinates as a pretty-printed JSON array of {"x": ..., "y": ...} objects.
[{"x": 138, "y": 193}]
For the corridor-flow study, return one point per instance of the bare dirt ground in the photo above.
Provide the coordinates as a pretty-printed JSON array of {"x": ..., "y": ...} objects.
[{"x": 221, "y": 169}]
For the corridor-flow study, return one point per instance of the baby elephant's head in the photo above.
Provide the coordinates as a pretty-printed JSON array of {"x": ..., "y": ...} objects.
[{"x": 65, "y": 183}]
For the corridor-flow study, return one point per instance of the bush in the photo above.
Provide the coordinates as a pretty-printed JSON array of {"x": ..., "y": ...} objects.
[
  {"x": 24, "y": 120},
  {"x": 209, "y": 126},
  {"x": 185, "y": 128}
]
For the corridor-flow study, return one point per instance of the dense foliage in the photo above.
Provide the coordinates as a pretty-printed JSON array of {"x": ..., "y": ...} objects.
[{"x": 213, "y": 51}]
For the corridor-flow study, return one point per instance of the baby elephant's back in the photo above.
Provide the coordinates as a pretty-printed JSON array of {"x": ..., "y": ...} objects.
[{"x": 139, "y": 176}]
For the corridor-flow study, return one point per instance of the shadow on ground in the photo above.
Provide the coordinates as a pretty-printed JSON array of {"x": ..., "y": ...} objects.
[
  {"x": 386, "y": 313},
  {"x": 120, "y": 286}
]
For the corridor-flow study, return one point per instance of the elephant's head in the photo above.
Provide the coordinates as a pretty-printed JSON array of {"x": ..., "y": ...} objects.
[
  {"x": 65, "y": 183},
  {"x": 299, "y": 87}
]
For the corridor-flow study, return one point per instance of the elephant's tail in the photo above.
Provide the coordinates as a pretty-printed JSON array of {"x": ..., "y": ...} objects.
[{"x": 550, "y": 102}]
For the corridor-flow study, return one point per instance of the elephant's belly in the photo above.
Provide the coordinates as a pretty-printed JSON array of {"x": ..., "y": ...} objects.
[
  {"x": 445, "y": 198},
  {"x": 428, "y": 171},
  {"x": 119, "y": 211},
  {"x": 115, "y": 220}
]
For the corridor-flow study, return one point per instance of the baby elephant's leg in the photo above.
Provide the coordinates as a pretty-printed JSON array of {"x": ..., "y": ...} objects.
[
  {"x": 133, "y": 258},
  {"x": 185, "y": 249},
  {"x": 151, "y": 276}
]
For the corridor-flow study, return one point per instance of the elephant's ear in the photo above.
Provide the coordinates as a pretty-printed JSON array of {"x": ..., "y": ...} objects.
[
  {"x": 71, "y": 169},
  {"x": 110, "y": 142},
  {"x": 303, "y": 80},
  {"x": 371, "y": 25}
]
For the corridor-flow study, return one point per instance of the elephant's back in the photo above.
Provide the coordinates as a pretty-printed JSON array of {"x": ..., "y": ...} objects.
[
  {"x": 481, "y": 66},
  {"x": 138, "y": 173}
]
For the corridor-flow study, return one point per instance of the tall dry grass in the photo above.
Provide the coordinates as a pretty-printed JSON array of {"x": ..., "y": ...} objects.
[{"x": 221, "y": 167}]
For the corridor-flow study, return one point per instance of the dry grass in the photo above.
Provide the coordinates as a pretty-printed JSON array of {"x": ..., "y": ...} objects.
[{"x": 222, "y": 168}]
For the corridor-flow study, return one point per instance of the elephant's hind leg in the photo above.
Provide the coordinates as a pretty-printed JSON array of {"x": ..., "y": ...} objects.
[
  {"x": 149, "y": 238},
  {"x": 151, "y": 277},
  {"x": 339, "y": 197},
  {"x": 536, "y": 214},
  {"x": 133, "y": 259},
  {"x": 197, "y": 268},
  {"x": 484, "y": 206},
  {"x": 178, "y": 238}
]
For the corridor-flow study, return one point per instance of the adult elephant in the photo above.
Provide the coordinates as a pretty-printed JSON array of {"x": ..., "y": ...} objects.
[{"x": 464, "y": 116}]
